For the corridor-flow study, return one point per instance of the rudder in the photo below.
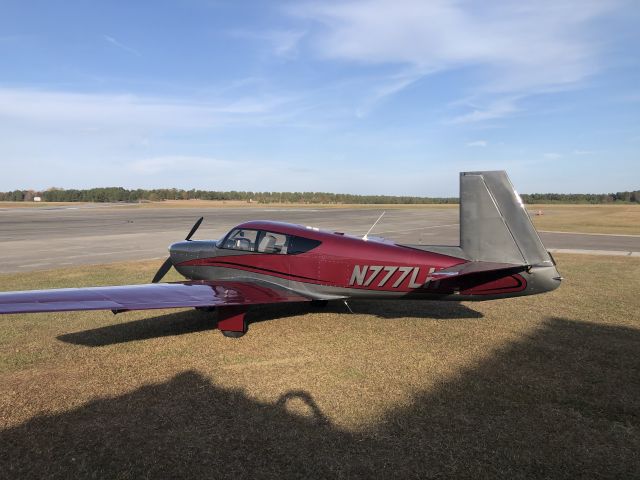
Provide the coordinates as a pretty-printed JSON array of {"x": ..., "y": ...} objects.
[{"x": 494, "y": 224}]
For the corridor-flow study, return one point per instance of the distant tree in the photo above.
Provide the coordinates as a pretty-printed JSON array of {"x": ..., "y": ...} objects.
[
  {"x": 623, "y": 196},
  {"x": 17, "y": 196},
  {"x": 119, "y": 194}
]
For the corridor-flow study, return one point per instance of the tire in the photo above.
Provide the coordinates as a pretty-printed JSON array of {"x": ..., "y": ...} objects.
[{"x": 232, "y": 334}]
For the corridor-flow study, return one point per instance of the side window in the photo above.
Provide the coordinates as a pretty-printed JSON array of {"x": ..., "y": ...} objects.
[
  {"x": 301, "y": 245},
  {"x": 271, "y": 242},
  {"x": 241, "y": 239}
]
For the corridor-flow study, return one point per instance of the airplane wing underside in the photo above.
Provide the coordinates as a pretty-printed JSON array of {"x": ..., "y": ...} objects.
[{"x": 147, "y": 297}]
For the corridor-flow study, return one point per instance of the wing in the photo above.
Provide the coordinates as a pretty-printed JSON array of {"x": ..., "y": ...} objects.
[{"x": 147, "y": 297}]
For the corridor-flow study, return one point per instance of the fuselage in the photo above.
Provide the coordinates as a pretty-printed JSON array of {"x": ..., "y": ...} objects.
[{"x": 329, "y": 265}]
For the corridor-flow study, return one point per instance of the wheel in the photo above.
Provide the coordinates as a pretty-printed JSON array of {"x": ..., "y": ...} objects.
[
  {"x": 319, "y": 303},
  {"x": 231, "y": 321},
  {"x": 232, "y": 334}
]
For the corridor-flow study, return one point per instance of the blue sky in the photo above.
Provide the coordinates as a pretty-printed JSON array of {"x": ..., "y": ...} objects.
[{"x": 384, "y": 97}]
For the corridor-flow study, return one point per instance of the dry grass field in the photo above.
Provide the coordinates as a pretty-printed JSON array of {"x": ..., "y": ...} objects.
[
  {"x": 536, "y": 387},
  {"x": 620, "y": 219}
]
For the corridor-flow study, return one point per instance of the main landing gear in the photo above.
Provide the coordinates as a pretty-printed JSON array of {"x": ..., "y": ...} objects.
[{"x": 232, "y": 322}]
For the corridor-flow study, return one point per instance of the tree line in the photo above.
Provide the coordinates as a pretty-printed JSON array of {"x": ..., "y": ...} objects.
[{"x": 119, "y": 194}]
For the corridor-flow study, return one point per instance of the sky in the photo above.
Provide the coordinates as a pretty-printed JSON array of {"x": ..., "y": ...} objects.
[{"x": 355, "y": 96}]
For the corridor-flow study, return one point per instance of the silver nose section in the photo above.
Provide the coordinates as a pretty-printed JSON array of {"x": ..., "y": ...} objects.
[{"x": 184, "y": 251}]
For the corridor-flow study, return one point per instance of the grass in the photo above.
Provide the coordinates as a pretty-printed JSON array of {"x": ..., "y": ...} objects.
[
  {"x": 545, "y": 386},
  {"x": 620, "y": 219}
]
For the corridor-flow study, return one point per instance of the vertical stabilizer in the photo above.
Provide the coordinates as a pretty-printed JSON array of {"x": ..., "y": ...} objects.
[{"x": 494, "y": 224}]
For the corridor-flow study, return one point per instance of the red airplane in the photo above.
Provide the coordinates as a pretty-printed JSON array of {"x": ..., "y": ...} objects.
[{"x": 500, "y": 255}]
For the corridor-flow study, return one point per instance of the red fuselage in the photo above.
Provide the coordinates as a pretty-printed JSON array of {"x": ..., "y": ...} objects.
[{"x": 338, "y": 264}]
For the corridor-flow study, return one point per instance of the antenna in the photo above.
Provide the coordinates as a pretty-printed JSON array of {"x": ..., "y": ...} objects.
[{"x": 374, "y": 224}]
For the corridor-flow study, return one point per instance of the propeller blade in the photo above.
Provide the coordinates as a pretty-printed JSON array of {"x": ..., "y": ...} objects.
[
  {"x": 166, "y": 266},
  {"x": 194, "y": 228},
  {"x": 162, "y": 271}
]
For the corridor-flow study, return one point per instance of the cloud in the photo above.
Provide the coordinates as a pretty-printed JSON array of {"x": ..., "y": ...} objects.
[
  {"x": 631, "y": 97},
  {"x": 477, "y": 143},
  {"x": 283, "y": 43},
  {"x": 74, "y": 139},
  {"x": 387, "y": 87},
  {"x": 173, "y": 163},
  {"x": 188, "y": 171},
  {"x": 515, "y": 48},
  {"x": 493, "y": 110},
  {"x": 552, "y": 155},
  {"x": 583, "y": 152},
  {"x": 122, "y": 46},
  {"x": 38, "y": 108}
]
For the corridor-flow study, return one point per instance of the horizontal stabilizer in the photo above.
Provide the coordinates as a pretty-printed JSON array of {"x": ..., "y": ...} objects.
[{"x": 476, "y": 267}]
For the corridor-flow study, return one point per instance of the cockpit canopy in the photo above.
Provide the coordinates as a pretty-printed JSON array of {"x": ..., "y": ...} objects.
[{"x": 262, "y": 241}]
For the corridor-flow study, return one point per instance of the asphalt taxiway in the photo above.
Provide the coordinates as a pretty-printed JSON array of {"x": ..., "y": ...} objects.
[{"x": 45, "y": 238}]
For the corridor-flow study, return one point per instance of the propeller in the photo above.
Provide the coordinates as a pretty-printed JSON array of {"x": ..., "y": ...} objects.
[
  {"x": 194, "y": 228},
  {"x": 166, "y": 266},
  {"x": 162, "y": 271}
]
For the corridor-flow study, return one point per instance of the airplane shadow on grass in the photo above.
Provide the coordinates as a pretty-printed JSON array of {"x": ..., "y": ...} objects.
[
  {"x": 191, "y": 321},
  {"x": 563, "y": 402}
]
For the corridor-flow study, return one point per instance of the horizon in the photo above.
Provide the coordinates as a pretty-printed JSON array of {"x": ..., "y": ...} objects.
[
  {"x": 276, "y": 192},
  {"x": 360, "y": 96}
]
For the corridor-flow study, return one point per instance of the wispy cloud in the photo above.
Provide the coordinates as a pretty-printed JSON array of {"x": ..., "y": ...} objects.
[
  {"x": 137, "y": 140},
  {"x": 387, "y": 87},
  {"x": 517, "y": 49},
  {"x": 583, "y": 152},
  {"x": 478, "y": 143},
  {"x": 55, "y": 108},
  {"x": 120, "y": 45},
  {"x": 173, "y": 163},
  {"x": 631, "y": 97},
  {"x": 257, "y": 175},
  {"x": 493, "y": 110},
  {"x": 283, "y": 43},
  {"x": 552, "y": 155}
]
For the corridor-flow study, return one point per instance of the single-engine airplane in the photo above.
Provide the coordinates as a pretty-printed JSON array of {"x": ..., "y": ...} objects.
[{"x": 260, "y": 262}]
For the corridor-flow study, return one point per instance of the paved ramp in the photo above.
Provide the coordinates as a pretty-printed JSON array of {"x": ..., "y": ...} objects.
[{"x": 45, "y": 238}]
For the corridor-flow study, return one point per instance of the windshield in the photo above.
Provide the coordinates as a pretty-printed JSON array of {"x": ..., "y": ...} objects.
[
  {"x": 260, "y": 241},
  {"x": 241, "y": 239}
]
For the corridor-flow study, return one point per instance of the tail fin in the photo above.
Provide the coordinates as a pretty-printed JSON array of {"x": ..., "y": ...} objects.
[{"x": 494, "y": 224}]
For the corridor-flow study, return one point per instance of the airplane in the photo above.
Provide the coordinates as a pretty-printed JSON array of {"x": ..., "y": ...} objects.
[{"x": 500, "y": 255}]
